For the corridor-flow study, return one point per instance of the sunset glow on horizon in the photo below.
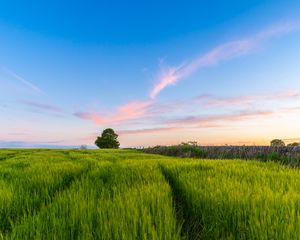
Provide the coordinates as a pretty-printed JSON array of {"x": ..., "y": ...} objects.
[{"x": 158, "y": 73}]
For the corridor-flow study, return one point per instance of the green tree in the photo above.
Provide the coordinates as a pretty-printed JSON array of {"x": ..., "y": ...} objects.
[
  {"x": 277, "y": 143},
  {"x": 108, "y": 139},
  {"x": 295, "y": 144}
]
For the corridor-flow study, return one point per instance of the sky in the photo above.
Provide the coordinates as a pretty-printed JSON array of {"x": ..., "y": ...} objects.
[{"x": 157, "y": 72}]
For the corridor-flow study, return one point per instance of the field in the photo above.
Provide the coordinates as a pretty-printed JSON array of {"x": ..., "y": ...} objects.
[{"x": 126, "y": 194}]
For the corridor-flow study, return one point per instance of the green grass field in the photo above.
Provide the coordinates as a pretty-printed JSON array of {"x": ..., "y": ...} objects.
[{"x": 124, "y": 194}]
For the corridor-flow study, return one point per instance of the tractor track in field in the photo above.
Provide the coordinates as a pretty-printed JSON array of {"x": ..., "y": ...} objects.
[
  {"x": 14, "y": 222},
  {"x": 7, "y": 156},
  {"x": 191, "y": 226}
]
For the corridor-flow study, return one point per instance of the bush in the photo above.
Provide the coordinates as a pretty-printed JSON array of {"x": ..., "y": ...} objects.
[{"x": 286, "y": 155}]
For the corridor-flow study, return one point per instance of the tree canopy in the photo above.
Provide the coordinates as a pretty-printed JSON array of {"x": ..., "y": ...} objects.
[
  {"x": 277, "y": 143},
  {"x": 108, "y": 139},
  {"x": 295, "y": 144}
]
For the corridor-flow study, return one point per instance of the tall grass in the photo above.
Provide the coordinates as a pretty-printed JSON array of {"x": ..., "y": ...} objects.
[
  {"x": 118, "y": 194},
  {"x": 233, "y": 199},
  {"x": 29, "y": 182},
  {"x": 112, "y": 201}
]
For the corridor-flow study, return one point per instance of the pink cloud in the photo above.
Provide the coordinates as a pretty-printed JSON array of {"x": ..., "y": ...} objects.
[
  {"x": 198, "y": 122},
  {"x": 150, "y": 108},
  {"x": 131, "y": 110},
  {"x": 94, "y": 117},
  {"x": 228, "y": 101},
  {"x": 128, "y": 111},
  {"x": 223, "y": 52},
  {"x": 148, "y": 130},
  {"x": 218, "y": 120}
]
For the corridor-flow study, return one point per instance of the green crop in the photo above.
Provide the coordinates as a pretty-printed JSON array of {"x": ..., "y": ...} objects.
[
  {"x": 85, "y": 195},
  {"x": 234, "y": 199},
  {"x": 125, "y": 194}
]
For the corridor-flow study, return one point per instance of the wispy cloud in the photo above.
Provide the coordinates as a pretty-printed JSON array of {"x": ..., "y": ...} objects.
[
  {"x": 213, "y": 101},
  {"x": 148, "y": 130},
  {"x": 223, "y": 52},
  {"x": 25, "y": 82},
  {"x": 132, "y": 110},
  {"x": 157, "y": 111},
  {"x": 128, "y": 111},
  {"x": 198, "y": 122},
  {"x": 42, "y": 106},
  {"x": 94, "y": 117},
  {"x": 218, "y": 119}
]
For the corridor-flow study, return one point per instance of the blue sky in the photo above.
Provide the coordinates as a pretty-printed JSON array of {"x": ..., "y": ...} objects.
[{"x": 159, "y": 72}]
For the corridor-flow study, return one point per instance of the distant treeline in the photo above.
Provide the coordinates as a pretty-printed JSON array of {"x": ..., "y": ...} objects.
[{"x": 286, "y": 155}]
